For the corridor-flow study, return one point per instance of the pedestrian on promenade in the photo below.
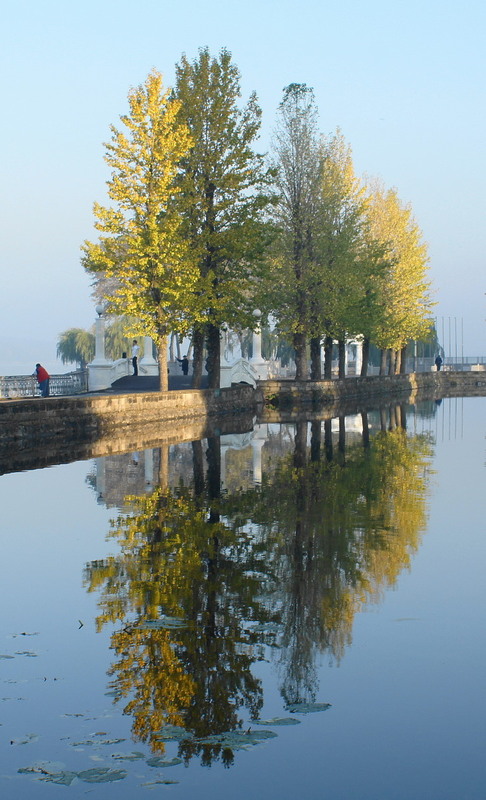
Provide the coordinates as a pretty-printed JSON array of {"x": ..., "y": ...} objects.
[
  {"x": 42, "y": 376},
  {"x": 438, "y": 362},
  {"x": 135, "y": 352},
  {"x": 184, "y": 362}
]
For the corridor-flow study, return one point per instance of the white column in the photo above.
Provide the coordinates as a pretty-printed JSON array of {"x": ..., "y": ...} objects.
[
  {"x": 100, "y": 338},
  {"x": 257, "y": 362},
  {"x": 148, "y": 364},
  {"x": 100, "y": 370},
  {"x": 359, "y": 357}
]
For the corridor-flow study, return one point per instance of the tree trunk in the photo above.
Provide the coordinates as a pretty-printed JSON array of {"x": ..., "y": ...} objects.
[
  {"x": 392, "y": 355},
  {"x": 383, "y": 361},
  {"x": 299, "y": 343},
  {"x": 366, "y": 356},
  {"x": 214, "y": 355},
  {"x": 163, "y": 372},
  {"x": 315, "y": 352},
  {"x": 403, "y": 360},
  {"x": 197, "y": 361},
  {"x": 342, "y": 358},
  {"x": 328, "y": 358}
]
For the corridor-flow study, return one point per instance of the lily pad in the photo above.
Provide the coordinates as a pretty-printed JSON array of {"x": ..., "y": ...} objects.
[
  {"x": 158, "y": 761},
  {"x": 238, "y": 740},
  {"x": 133, "y": 756},
  {"x": 166, "y": 623},
  {"x": 154, "y": 783},
  {"x": 64, "y": 778},
  {"x": 307, "y": 708},
  {"x": 102, "y": 775},
  {"x": 277, "y": 721},
  {"x": 169, "y": 733},
  {"x": 27, "y": 739}
]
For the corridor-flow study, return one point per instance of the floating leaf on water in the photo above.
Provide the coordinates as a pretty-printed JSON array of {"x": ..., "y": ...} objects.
[
  {"x": 28, "y": 653},
  {"x": 168, "y": 733},
  {"x": 4, "y": 656},
  {"x": 27, "y": 739},
  {"x": 52, "y": 771},
  {"x": 158, "y": 761},
  {"x": 238, "y": 740},
  {"x": 102, "y": 775},
  {"x": 64, "y": 778},
  {"x": 154, "y": 783},
  {"x": 133, "y": 756},
  {"x": 164, "y": 623},
  {"x": 277, "y": 721},
  {"x": 307, "y": 708}
]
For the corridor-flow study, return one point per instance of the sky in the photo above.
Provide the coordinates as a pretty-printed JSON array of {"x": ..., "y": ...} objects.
[{"x": 404, "y": 81}]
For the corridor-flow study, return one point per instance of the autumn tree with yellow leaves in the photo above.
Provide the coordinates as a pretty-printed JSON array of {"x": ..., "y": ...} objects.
[{"x": 140, "y": 244}]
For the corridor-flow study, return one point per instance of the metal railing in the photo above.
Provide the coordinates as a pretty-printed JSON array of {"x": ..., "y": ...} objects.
[{"x": 15, "y": 386}]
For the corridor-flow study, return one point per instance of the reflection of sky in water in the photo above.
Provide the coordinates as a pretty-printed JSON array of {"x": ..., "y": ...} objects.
[{"x": 407, "y": 718}]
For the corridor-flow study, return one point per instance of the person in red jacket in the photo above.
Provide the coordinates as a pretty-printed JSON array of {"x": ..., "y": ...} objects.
[{"x": 42, "y": 376}]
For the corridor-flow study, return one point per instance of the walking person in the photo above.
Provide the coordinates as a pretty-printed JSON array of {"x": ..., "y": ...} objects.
[
  {"x": 438, "y": 362},
  {"x": 42, "y": 376},
  {"x": 135, "y": 352},
  {"x": 184, "y": 362}
]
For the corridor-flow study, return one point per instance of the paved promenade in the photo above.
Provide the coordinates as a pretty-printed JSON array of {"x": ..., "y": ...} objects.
[{"x": 142, "y": 383}]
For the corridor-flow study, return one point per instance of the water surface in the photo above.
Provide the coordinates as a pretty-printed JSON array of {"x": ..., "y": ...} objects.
[{"x": 295, "y": 610}]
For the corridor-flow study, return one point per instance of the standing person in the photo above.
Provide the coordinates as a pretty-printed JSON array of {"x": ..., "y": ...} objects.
[
  {"x": 135, "y": 352},
  {"x": 438, "y": 362},
  {"x": 42, "y": 376},
  {"x": 184, "y": 362}
]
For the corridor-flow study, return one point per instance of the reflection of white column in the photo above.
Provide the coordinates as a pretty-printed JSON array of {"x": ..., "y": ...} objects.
[
  {"x": 100, "y": 479},
  {"x": 223, "y": 450},
  {"x": 257, "y": 446},
  {"x": 149, "y": 469}
]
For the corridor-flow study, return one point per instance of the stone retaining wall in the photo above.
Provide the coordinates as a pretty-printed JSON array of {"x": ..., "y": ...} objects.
[
  {"x": 40, "y": 421},
  {"x": 398, "y": 387},
  {"x": 64, "y": 423}
]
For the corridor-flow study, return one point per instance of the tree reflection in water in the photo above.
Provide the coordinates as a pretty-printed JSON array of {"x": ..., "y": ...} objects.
[{"x": 208, "y": 582}]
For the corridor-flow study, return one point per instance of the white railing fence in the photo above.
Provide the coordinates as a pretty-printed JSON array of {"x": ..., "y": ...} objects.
[{"x": 14, "y": 386}]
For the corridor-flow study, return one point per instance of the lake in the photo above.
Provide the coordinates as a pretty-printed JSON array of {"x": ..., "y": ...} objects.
[{"x": 294, "y": 610}]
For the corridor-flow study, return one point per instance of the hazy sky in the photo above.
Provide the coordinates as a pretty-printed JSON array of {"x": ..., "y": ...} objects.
[{"x": 405, "y": 81}]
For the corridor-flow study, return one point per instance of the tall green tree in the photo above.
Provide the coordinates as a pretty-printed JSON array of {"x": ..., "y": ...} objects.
[
  {"x": 224, "y": 185},
  {"x": 296, "y": 159},
  {"x": 140, "y": 243}
]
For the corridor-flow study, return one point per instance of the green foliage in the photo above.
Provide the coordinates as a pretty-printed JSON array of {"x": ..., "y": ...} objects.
[
  {"x": 223, "y": 184},
  {"x": 76, "y": 346},
  {"x": 140, "y": 243}
]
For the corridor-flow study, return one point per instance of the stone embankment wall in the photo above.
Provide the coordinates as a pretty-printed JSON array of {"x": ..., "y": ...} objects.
[
  {"x": 374, "y": 388},
  {"x": 56, "y": 429},
  {"x": 37, "y": 422}
]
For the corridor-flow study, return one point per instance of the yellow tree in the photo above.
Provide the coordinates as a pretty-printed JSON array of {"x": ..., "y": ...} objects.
[
  {"x": 140, "y": 244},
  {"x": 404, "y": 286}
]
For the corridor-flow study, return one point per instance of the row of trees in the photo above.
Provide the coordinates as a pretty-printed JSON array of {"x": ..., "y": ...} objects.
[{"x": 202, "y": 229}]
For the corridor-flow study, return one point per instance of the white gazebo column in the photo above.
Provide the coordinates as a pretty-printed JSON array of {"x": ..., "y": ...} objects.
[
  {"x": 257, "y": 362},
  {"x": 148, "y": 363},
  {"x": 100, "y": 370},
  {"x": 359, "y": 357}
]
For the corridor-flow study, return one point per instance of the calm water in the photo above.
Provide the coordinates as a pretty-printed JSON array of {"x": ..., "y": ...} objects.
[{"x": 297, "y": 611}]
